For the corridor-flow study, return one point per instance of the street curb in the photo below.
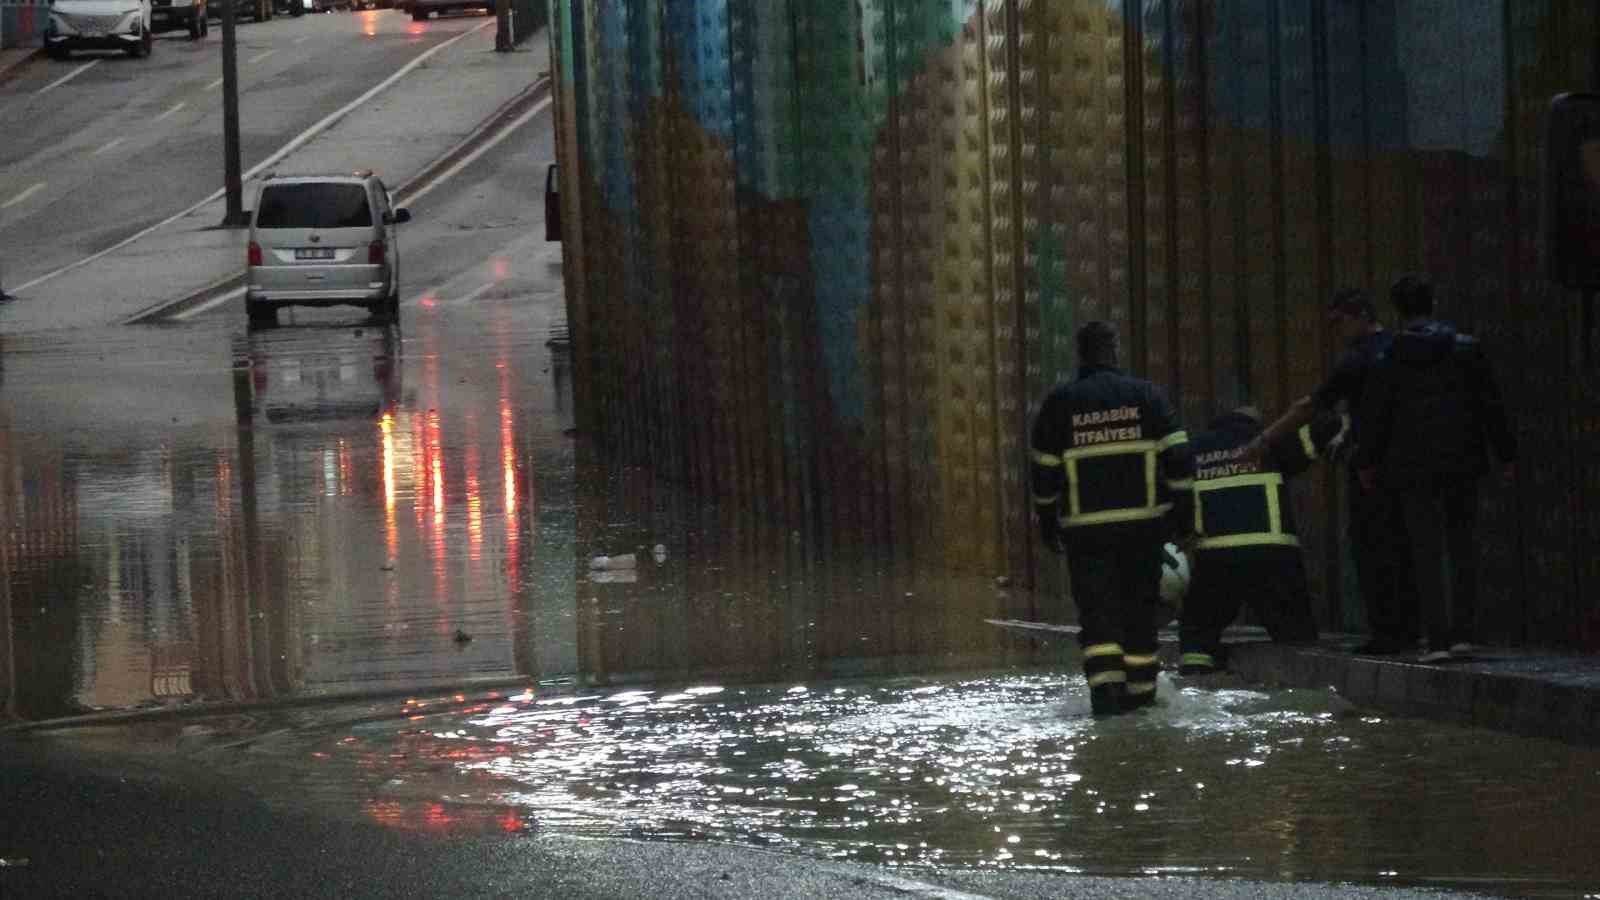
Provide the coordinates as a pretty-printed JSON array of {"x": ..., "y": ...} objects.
[
  {"x": 14, "y": 69},
  {"x": 485, "y": 130},
  {"x": 508, "y": 111},
  {"x": 204, "y": 709},
  {"x": 1503, "y": 692}
]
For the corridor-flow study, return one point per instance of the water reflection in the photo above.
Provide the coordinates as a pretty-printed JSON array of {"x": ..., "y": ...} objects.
[
  {"x": 353, "y": 509},
  {"x": 295, "y": 521}
]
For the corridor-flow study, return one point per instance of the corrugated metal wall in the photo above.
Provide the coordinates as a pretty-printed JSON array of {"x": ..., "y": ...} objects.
[
  {"x": 824, "y": 257},
  {"x": 22, "y": 23}
]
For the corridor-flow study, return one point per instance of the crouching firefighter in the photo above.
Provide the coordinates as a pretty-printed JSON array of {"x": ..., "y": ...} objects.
[
  {"x": 1108, "y": 462},
  {"x": 1246, "y": 549}
]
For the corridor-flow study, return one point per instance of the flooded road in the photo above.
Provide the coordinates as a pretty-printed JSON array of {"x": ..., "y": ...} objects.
[{"x": 352, "y": 569}]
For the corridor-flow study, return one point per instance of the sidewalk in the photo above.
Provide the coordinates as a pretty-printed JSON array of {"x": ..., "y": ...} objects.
[
  {"x": 1532, "y": 692},
  {"x": 16, "y": 58},
  {"x": 461, "y": 87}
]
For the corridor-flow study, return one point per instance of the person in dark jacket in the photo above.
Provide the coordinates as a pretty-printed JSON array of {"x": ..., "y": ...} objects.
[
  {"x": 1380, "y": 546},
  {"x": 1108, "y": 463},
  {"x": 1428, "y": 420},
  {"x": 1246, "y": 547}
]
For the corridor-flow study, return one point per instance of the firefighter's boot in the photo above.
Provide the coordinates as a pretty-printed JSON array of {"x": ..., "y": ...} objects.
[
  {"x": 1142, "y": 669},
  {"x": 1108, "y": 699},
  {"x": 1102, "y": 666}
]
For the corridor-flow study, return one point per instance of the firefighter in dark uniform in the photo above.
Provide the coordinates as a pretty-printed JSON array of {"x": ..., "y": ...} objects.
[
  {"x": 1246, "y": 549},
  {"x": 1108, "y": 461}
]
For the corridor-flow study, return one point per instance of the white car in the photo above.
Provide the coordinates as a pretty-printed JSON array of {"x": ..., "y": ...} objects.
[{"x": 98, "y": 25}]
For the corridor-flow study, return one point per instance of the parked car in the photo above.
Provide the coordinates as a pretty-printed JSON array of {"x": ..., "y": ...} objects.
[
  {"x": 421, "y": 8},
  {"x": 98, "y": 25},
  {"x": 173, "y": 15},
  {"x": 301, "y": 7},
  {"x": 254, "y": 10},
  {"x": 324, "y": 240}
]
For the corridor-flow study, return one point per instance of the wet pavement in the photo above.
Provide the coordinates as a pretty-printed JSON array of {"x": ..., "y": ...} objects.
[{"x": 318, "y": 609}]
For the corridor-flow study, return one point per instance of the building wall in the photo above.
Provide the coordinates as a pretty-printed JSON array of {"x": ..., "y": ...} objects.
[
  {"x": 825, "y": 257},
  {"x": 22, "y": 23}
]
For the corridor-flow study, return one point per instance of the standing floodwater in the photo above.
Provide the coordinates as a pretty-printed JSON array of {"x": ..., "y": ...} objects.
[
  {"x": 997, "y": 771},
  {"x": 280, "y": 520}
]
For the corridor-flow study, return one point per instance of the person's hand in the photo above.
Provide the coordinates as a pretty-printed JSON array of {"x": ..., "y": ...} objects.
[{"x": 1369, "y": 479}]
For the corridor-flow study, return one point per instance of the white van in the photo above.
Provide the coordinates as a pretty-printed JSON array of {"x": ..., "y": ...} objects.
[
  {"x": 324, "y": 240},
  {"x": 98, "y": 25}
]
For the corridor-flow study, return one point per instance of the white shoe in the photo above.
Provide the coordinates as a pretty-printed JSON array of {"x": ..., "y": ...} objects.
[{"x": 1434, "y": 656}]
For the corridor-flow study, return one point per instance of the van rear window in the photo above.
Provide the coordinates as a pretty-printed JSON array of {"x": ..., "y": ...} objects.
[{"x": 314, "y": 206}]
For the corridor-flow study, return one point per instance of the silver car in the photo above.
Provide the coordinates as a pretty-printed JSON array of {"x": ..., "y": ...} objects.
[{"x": 324, "y": 240}]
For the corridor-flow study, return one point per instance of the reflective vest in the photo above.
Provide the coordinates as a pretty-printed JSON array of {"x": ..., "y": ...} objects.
[
  {"x": 1107, "y": 450},
  {"x": 1240, "y": 503}
]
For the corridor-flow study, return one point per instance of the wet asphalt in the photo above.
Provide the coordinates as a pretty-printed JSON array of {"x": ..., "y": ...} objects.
[{"x": 77, "y": 826}]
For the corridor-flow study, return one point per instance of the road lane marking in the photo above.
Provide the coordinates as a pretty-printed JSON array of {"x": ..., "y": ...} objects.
[
  {"x": 175, "y": 107},
  {"x": 472, "y": 157},
  {"x": 301, "y": 39},
  {"x": 23, "y": 196},
  {"x": 214, "y": 85},
  {"x": 267, "y": 163},
  {"x": 68, "y": 77},
  {"x": 259, "y": 57},
  {"x": 211, "y": 304},
  {"x": 477, "y": 293},
  {"x": 112, "y": 143}
]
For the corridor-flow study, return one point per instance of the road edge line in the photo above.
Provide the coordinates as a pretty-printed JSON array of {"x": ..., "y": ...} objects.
[{"x": 485, "y": 131}]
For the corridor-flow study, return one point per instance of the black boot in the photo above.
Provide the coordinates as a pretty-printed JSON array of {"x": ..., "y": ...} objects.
[
  {"x": 1131, "y": 702},
  {"x": 1108, "y": 699}
]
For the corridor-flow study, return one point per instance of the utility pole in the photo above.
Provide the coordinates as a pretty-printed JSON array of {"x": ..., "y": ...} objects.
[{"x": 232, "y": 177}]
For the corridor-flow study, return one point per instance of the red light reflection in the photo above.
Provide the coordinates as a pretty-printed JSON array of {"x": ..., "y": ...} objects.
[
  {"x": 391, "y": 531},
  {"x": 474, "y": 499}
]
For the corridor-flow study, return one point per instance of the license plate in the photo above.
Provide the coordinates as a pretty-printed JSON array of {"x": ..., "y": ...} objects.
[{"x": 313, "y": 253}]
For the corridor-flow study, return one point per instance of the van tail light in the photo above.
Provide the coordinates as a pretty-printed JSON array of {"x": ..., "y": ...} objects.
[
  {"x": 255, "y": 254},
  {"x": 375, "y": 253}
]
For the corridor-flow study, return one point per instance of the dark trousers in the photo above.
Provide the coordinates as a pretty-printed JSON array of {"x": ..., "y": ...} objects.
[
  {"x": 1271, "y": 580},
  {"x": 1441, "y": 518},
  {"x": 1116, "y": 585},
  {"x": 1380, "y": 544}
]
